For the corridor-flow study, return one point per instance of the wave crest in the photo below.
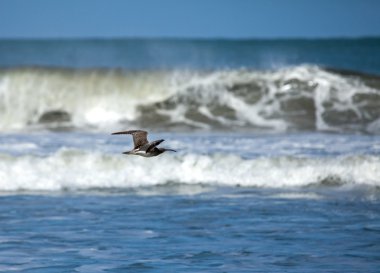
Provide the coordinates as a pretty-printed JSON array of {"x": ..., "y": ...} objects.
[
  {"x": 70, "y": 169},
  {"x": 296, "y": 98}
]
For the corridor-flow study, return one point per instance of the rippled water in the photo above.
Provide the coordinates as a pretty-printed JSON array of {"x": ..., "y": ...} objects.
[
  {"x": 71, "y": 202},
  {"x": 225, "y": 230}
]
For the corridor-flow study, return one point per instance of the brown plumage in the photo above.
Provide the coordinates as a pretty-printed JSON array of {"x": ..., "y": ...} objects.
[{"x": 142, "y": 146}]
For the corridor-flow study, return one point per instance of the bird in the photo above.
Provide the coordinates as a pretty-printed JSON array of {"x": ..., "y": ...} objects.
[{"x": 142, "y": 146}]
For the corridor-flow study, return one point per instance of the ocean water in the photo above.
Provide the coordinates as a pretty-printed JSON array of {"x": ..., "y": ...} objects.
[{"x": 277, "y": 166}]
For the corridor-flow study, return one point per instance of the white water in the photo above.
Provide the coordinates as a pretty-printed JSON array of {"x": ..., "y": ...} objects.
[
  {"x": 75, "y": 169},
  {"x": 90, "y": 97},
  {"x": 302, "y": 97}
]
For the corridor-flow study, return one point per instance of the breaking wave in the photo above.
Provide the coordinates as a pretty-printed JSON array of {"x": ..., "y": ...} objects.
[
  {"x": 294, "y": 98},
  {"x": 71, "y": 169}
]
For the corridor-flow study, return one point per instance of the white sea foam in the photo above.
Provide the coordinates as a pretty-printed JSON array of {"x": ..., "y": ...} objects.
[
  {"x": 89, "y": 97},
  {"x": 301, "y": 97},
  {"x": 74, "y": 169},
  {"x": 298, "y": 195}
]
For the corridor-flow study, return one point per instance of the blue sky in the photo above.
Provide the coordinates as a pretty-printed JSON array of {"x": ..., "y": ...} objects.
[{"x": 191, "y": 18}]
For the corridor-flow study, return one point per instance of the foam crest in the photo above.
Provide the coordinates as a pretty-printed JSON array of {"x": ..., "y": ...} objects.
[
  {"x": 70, "y": 169},
  {"x": 303, "y": 97}
]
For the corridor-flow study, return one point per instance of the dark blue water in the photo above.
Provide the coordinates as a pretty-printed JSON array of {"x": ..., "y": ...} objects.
[
  {"x": 352, "y": 54},
  {"x": 240, "y": 230}
]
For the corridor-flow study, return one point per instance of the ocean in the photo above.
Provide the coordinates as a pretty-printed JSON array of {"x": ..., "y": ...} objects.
[{"x": 277, "y": 166}]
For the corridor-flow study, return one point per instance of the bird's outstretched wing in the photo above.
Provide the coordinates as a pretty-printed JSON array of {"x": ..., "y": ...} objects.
[
  {"x": 153, "y": 144},
  {"x": 139, "y": 137}
]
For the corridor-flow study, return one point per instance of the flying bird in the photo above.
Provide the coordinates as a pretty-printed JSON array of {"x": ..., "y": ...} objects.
[{"x": 142, "y": 146}]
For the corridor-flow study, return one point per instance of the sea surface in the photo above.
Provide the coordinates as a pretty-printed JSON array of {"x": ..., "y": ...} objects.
[{"x": 277, "y": 166}]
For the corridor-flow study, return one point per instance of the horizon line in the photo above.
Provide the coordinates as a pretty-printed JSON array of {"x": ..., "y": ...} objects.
[{"x": 195, "y": 38}]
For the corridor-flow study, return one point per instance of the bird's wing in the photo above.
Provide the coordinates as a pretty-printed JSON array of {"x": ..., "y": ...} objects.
[
  {"x": 153, "y": 144},
  {"x": 139, "y": 137}
]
